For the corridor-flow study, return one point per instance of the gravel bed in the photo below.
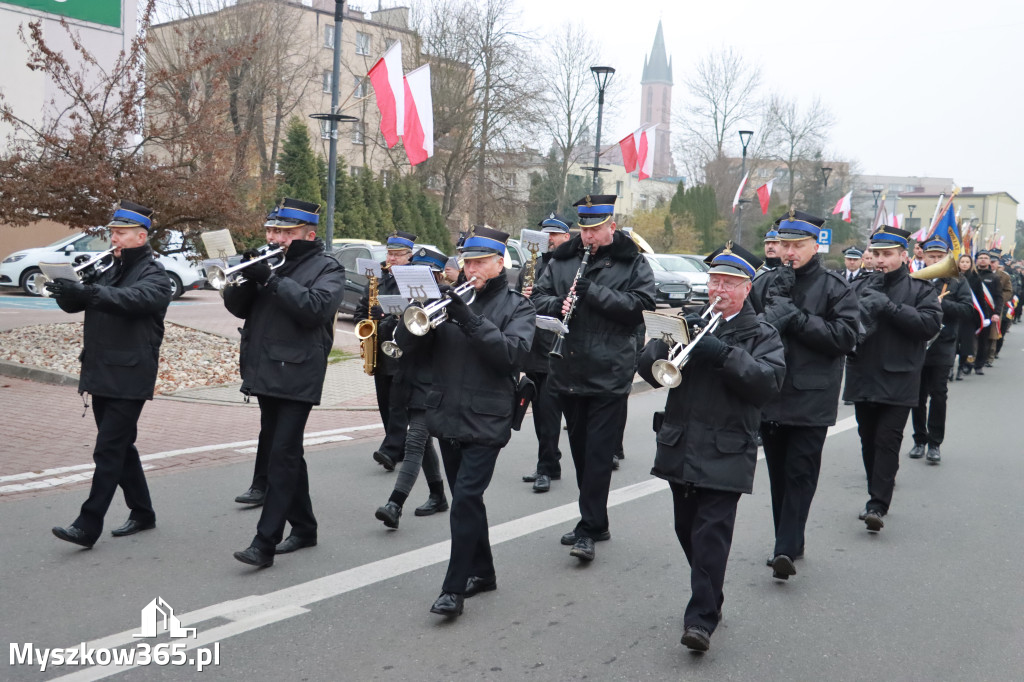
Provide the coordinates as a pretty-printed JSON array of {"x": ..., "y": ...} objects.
[{"x": 188, "y": 358}]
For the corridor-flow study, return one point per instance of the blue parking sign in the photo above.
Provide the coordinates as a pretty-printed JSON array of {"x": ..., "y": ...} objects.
[{"x": 825, "y": 237}]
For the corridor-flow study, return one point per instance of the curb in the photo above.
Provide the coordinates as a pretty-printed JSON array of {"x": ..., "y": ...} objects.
[{"x": 37, "y": 374}]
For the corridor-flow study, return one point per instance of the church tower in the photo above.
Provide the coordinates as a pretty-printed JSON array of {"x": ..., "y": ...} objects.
[{"x": 656, "y": 104}]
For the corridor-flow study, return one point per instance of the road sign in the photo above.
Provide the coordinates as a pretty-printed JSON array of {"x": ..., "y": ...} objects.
[{"x": 824, "y": 240}]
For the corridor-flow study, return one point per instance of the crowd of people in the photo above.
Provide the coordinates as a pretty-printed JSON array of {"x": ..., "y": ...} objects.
[{"x": 766, "y": 363}]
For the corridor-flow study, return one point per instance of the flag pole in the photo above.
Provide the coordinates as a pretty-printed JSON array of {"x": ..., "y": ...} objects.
[{"x": 941, "y": 212}]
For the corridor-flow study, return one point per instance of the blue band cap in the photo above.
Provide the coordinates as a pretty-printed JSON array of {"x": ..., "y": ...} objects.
[
  {"x": 298, "y": 215},
  {"x": 432, "y": 261},
  {"x": 935, "y": 245},
  {"x": 731, "y": 259},
  {"x": 483, "y": 245},
  {"x": 771, "y": 236},
  {"x": 133, "y": 217},
  {"x": 797, "y": 229},
  {"x": 885, "y": 240},
  {"x": 396, "y": 242},
  {"x": 596, "y": 209},
  {"x": 555, "y": 224}
]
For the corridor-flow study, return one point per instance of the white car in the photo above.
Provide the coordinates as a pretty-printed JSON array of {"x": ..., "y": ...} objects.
[
  {"x": 689, "y": 268},
  {"x": 20, "y": 268}
]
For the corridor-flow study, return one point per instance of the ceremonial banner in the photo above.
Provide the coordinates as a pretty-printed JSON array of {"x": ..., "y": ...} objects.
[
  {"x": 764, "y": 195},
  {"x": 389, "y": 88},
  {"x": 844, "y": 206},
  {"x": 739, "y": 191},
  {"x": 418, "y": 137}
]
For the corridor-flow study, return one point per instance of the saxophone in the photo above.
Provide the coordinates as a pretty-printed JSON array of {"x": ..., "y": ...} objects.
[
  {"x": 366, "y": 332},
  {"x": 531, "y": 267}
]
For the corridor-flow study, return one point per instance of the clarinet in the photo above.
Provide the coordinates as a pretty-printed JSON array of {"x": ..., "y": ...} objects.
[{"x": 556, "y": 348}]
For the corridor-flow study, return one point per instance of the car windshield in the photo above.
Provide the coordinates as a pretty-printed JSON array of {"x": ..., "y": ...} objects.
[
  {"x": 656, "y": 264},
  {"x": 677, "y": 264}
]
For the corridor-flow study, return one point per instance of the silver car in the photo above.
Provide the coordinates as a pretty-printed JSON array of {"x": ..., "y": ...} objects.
[{"x": 691, "y": 267}]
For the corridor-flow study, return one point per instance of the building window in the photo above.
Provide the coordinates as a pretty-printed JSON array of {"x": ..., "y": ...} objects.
[
  {"x": 358, "y": 130},
  {"x": 650, "y": 105},
  {"x": 386, "y": 177},
  {"x": 329, "y": 35},
  {"x": 764, "y": 172},
  {"x": 360, "y": 84},
  {"x": 388, "y": 42},
  {"x": 510, "y": 180},
  {"x": 362, "y": 43},
  {"x": 618, "y": 188},
  {"x": 326, "y": 81},
  {"x": 643, "y": 201},
  {"x": 355, "y": 171}
]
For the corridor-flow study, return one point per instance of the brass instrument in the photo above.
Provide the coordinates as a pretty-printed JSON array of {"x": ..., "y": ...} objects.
[
  {"x": 531, "y": 266},
  {"x": 556, "y": 347},
  {"x": 86, "y": 271},
  {"x": 420, "y": 321},
  {"x": 390, "y": 347},
  {"x": 366, "y": 331},
  {"x": 219, "y": 277},
  {"x": 669, "y": 373},
  {"x": 946, "y": 268}
]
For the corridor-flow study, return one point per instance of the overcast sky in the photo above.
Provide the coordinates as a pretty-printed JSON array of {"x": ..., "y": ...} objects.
[{"x": 918, "y": 88}]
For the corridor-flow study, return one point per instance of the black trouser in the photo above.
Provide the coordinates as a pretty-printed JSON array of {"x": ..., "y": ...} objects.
[
  {"x": 930, "y": 422},
  {"x": 117, "y": 464},
  {"x": 392, "y": 401},
  {"x": 881, "y": 434},
  {"x": 259, "y": 474},
  {"x": 966, "y": 348},
  {"x": 793, "y": 456},
  {"x": 984, "y": 347},
  {"x": 547, "y": 422},
  {"x": 1004, "y": 327},
  {"x": 282, "y": 421},
  {"x": 595, "y": 426},
  {"x": 468, "y": 468},
  {"x": 704, "y": 521}
]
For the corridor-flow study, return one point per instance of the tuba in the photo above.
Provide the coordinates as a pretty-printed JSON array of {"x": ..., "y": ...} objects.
[
  {"x": 945, "y": 269},
  {"x": 366, "y": 332}
]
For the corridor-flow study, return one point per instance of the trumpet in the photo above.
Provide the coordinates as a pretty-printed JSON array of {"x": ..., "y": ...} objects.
[
  {"x": 420, "y": 321},
  {"x": 219, "y": 277},
  {"x": 669, "y": 373},
  {"x": 390, "y": 347},
  {"x": 87, "y": 271}
]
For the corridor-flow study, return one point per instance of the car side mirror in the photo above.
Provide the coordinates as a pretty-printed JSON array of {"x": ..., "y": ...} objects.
[{"x": 69, "y": 249}]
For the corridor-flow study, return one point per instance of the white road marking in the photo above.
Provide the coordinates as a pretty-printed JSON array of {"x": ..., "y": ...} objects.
[
  {"x": 309, "y": 441},
  {"x": 255, "y": 611}
]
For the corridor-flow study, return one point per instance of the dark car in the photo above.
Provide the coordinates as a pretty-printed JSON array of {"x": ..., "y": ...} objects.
[
  {"x": 671, "y": 288},
  {"x": 691, "y": 267},
  {"x": 355, "y": 281}
]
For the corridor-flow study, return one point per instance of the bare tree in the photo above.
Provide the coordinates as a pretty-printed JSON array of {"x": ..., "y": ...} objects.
[{"x": 796, "y": 138}]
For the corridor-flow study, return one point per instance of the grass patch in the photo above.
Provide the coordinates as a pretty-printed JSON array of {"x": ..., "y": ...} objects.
[{"x": 338, "y": 355}]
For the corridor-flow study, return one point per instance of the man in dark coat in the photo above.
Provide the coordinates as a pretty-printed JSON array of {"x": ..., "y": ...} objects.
[
  {"x": 547, "y": 415},
  {"x": 989, "y": 292},
  {"x": 771, "y": 262},
  {"x": 816, "y": 314},
  {"x": 707, "y": 447},
  {"x": 289, "y": 317},
  {"x": 124, "y": 327},
  {"x": 954, "y": 296},
  {"x": 883, "y": 376},
  {"x": 852, "y": 258},
  {"x": 594, "y": 374},
  {"x": 393, "y": 409},
  {"x": 476, "y": 357}
]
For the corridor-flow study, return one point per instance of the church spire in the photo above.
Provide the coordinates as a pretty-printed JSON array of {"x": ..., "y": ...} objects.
[{"x": 657, "y": 67}]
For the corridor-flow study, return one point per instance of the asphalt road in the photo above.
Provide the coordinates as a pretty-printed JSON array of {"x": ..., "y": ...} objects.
[{"x": 936, "y": 595}]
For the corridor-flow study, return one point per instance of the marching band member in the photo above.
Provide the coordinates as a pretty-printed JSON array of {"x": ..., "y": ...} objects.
[
  {"x": 852, "y": 257},
  {"x": 771, "y": 248},
  {"x": 954, "y": 296},
  {"x": 124, "y": 327},
  {"x": 595, "y": 374},
  {"x": 289, "y": 317},
  {"x": 1006, "y": 286},
  {"x": 706, "y": 439},
  {"x": 883, "y": 377},
  {"x": 989, "y": 292},
  {"x": 816, "y": 314},
  {"x": 474, "y": 357},
  {"x": 547, "y": 415}
]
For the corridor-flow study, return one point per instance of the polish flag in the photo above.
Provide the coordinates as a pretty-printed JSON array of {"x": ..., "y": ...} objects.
[
  {"x": 628, "y": 147},
  {"x": 764, "y": 195},
  {"x": 844, "y": 206},
  {"x": 386, "y": 77},
  {"x": 739, "y": 191},
  {"x": 645, "y": 152},
  {"x": 982, "y": 320},
  {"x": 418, "y": 138},
  {"x": 897, "y": 220}
]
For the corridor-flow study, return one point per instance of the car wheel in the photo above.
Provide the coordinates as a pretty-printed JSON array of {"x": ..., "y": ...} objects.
[
  {"x": 31, "y": 281},
  {"x": 176, "y": 289}
]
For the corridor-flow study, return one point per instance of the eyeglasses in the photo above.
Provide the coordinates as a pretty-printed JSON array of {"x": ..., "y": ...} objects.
[{"x": 727, "y": 283}]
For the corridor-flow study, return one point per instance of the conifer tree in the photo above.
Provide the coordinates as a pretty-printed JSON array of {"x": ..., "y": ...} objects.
[{"x": 297, "y": 164}]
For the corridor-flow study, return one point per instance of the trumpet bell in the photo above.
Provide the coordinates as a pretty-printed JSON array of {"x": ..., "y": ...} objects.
[
  {"x": 666, "y": 373},
  {"x": 391, "y": 349},
  {"x": 215, "y": 277},
  {"x": 946, "y": 268},
  {"x": 417, "y": 321}
]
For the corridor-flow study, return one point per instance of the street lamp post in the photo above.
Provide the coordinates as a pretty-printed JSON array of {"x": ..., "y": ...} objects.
[
  {"x": 825, "y": 172},
  {"x": 745, "y": 136},
  {"x": 875, "y": 193},
  {"x": 602, "y": 74}
]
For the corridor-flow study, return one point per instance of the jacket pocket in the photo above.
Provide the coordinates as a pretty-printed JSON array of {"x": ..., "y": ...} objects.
[
  {"x": 120, "y": 358},
  {"x": 732, "y": 442},
  {"x": 807, "y": 381},
  {"x": 433, "y": 399},
  {"x": 277, "y": 352},
  {"x": 492, "y": 407},
  {"x": 670, "y": 434}
]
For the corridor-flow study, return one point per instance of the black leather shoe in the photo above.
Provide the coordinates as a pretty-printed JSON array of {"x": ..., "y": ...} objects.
[
  {"x": 917, "y": 452},
  {"x": 448, "y": 604},
  {"x": 131, "y": 527},
  {"x": 980, "y": 372},
  {"x": 383, "y": 460},
  {"x": 530, "y": 478},
  {"x": 254, "y": 556},
  {"x": 863, "y": 514},
  {"x": 293, "y": 543},
  {"x": 74, "y": 535},
  {"x": 696, "y": 638},
  {"x": 389, "y": 514},
  {"x": 251, "y": 496},
  {"x": 542, "y": 484},
  {"x": 873, "y": 520},
  {"x": 583, "y": 549},
  {"x": 934, "y": 456},
  {"x": 475, "y": 585},
  {"x": 434, "y": 504},
  {"x": 570, "y": 537},
  {"x": 782, "y": 567}
]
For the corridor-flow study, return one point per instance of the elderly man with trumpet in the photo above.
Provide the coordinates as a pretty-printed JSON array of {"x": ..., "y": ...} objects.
[
  {"x": 707, "y": 449},
  {"x": 816, "y": 314},
  {"x": 476, "y": 340},
  {"x": 289, "y": 313}
]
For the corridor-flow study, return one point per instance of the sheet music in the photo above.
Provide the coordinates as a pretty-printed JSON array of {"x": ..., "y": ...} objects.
[
  {"x": 367, "y": 267},
  {"x": 218, "y": 244},
  {"x": 54, "y": 271},
  {"x": 393, "y": 305},
  {"x": 669, "y": 328},
  {"x": 534, "y": 240},
  {"x": 551, "y": 324},
  {"x": 416, "y": 281}
]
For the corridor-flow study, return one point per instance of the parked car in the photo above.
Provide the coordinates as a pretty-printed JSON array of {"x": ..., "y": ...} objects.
[
  {"x": 696, "y": 275},
  {"x": 355, "y": 281},
  {"x": 672, "y": 288},
  {"x": 21, "y": 269}
]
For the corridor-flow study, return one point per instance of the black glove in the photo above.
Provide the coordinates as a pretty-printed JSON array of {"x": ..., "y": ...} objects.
[
  {"x": 891, "y": 309},
  {"x": 695, "y": 321},
  {"x": 71, "y": 291},
  {"x": 250, "y": 255},
  {"x": 710, "y": 349},
  {"x": 458, "y": 310},
  {"x": 873, "y": 301},
  {"x": 582, "y": 287},
  {"x": 376, "y": 313},
  {"x": 782, "y": 283},
  {"x": 258, "y": 272},
  {"x": 781, "y": 313}
]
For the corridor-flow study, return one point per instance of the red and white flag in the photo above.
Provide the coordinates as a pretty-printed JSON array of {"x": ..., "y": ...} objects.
[
  {"x": 628, "y": 147},
  {"x": 386, "y": 77},
  {"x": 881, "y": 217},
  {"x": 844, "y": 206},
  {"x": 764, "y": 195},
  {"x": 418, "y": 138},
  {"x": 645, "y": 152},
  {"x": 739, "y": 191}
]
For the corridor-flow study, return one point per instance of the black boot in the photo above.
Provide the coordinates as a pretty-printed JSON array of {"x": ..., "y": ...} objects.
[
  {"x": 389, "y": 514},
  {"x": 436, "y": 502}
]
